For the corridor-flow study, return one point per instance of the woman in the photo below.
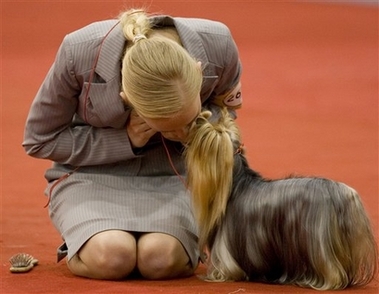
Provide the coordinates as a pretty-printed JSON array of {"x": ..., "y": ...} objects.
[{"x": 112, "y": 115}]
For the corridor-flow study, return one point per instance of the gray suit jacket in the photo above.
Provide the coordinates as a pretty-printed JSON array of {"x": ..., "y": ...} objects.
[{"x": 66, "y": 128}]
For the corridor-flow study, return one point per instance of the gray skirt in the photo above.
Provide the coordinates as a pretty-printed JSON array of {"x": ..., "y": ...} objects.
[{"x": 139, "y": 195}]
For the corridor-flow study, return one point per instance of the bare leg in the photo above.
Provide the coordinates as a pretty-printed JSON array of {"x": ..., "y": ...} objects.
[
  {"x": 161, "y": 256},
  {"x": 110, "y": 255}
]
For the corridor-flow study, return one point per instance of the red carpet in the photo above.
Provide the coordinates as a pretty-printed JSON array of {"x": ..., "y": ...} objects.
[{"x": 310, "y": 87}]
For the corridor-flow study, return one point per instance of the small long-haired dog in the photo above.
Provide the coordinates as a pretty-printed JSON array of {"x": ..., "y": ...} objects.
[{"x": 305, "y": 231}]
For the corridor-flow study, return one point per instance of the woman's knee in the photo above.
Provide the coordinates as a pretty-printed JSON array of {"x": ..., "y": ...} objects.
[
  {"x": 161, "y": 256},
  {"x": 107, "y": 255}
]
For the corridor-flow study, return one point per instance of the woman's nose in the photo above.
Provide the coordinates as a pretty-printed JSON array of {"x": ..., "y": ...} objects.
[{"x": 177, "y": 135}]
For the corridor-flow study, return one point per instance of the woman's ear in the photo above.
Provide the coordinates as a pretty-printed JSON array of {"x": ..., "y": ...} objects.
[{"x": 123, "y": 96}]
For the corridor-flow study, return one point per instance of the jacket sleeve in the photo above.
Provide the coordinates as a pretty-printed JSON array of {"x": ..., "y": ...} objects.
[
  {"x": 227, "y": 90},
  {"x": 50, "y": 132},
  {"x": 232, "y": 69}
]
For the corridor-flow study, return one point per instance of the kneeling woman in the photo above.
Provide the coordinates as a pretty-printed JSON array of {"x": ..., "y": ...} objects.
[{"x": 114, "y": 194}]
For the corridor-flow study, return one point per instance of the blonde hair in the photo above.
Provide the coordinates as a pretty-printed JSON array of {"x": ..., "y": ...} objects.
[{"x": 159, "y": 77}]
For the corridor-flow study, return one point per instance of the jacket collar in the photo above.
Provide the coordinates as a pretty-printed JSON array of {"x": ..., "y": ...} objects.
[
  {"x": 111, "y": 51},
  {"x": 188, "y": 36}
]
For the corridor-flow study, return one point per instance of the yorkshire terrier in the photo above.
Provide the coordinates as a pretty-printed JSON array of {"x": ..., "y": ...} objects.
[{"x": 306, "y": 231}]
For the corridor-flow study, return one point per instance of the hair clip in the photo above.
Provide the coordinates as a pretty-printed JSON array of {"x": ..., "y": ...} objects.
[
  {"x": 239, "y": 149},
  {"x": 138, "y": 37}
]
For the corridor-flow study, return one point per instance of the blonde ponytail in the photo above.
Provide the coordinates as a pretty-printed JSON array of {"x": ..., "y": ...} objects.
[
  {"x": 135, "y": 22},
  {"x": 210, "y": 159}
]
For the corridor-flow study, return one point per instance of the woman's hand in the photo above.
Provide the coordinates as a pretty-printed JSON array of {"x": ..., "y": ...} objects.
[{"x": 138, "y": 131}]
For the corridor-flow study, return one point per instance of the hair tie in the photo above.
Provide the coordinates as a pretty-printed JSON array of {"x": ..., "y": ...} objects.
[
  {"x": 239, "y": 149},
  {"x": 138, "y": 37}
]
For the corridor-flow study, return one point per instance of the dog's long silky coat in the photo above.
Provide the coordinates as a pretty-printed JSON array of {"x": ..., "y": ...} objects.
[{"x": 305, "y": 231}]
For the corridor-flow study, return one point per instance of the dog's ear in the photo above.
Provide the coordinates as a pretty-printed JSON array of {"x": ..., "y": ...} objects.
[
  {"x": 203, "y": 117},
  {"x": 216, "y": 113}
]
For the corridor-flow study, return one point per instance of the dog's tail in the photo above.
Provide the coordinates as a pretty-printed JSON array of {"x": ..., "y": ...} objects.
[
  {"x": 339, "y": 240},
  {"x": 357, "y": 250},
  {"x": 209, "y": 160}
]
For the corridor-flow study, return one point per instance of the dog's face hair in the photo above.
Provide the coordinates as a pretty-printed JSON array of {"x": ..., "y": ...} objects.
[{"x": 310, "y": 232}]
